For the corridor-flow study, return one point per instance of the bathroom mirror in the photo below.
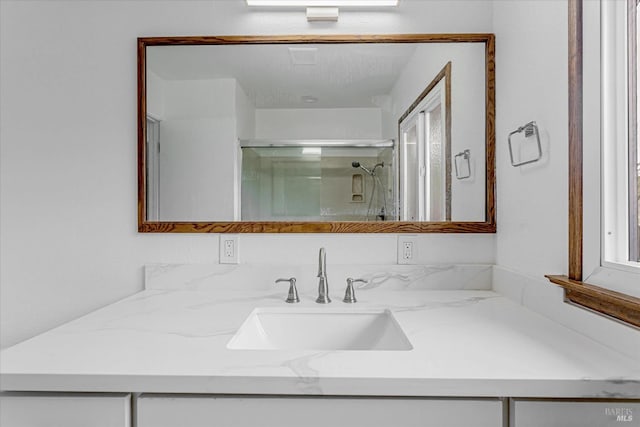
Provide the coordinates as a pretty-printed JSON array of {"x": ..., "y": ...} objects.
[{"x": 316, "y": 133}]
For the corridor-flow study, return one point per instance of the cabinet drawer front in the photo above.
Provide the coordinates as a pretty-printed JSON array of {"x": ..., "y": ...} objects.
[
  {"x": 65, "y": 410},
  {"x": 219, "y": 411},
  {"x": 532, "y": 413}
]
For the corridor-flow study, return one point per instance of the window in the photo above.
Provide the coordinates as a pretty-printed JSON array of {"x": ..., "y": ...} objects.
[
  {"x": 602, "y": 125},
  {"x": 634, "y": 129},
  {"x": 620, "y": 154}
]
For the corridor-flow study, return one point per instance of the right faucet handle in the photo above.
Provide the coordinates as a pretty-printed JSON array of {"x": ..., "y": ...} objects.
[
  {"x": 293, "y": 291},
  {"x": 349, "y": 294}
]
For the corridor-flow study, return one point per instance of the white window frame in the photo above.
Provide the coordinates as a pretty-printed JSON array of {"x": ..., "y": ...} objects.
[{"x": 606, "y": 220}]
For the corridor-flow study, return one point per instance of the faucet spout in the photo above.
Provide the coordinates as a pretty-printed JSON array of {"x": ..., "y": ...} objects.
[
  {"x": 322, "y": 263},
  {"x": 323, "y": 285}
]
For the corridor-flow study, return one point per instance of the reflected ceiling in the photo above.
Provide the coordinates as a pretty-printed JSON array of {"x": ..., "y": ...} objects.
[{"x": 294, "y": 74}]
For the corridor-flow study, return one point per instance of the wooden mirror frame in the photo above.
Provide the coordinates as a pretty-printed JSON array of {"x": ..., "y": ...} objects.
[
  {"x": 486, "y": 226},
  {"x": 619, "y": 306}
]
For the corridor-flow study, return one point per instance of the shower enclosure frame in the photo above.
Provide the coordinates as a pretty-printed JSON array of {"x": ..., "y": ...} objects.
[{"x": 327, "y": 143}]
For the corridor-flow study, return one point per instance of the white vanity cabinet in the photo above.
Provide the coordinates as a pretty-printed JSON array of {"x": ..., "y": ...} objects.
[
  {"x": 289, "y": 411},
  {"x": 65, "y": 410},
  {"x": 574, "y": 413}
]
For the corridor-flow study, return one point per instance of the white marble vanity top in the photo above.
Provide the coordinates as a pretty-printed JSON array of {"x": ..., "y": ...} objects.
[{"x": 465, "y": 343}]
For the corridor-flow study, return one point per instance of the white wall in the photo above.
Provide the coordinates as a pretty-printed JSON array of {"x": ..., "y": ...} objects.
[
  {"x": 200, "y": 124},
  {"x": 532, "y": 84},
  {"x": 68, "y": 160},
  {"x": 198, "y": 136},
  {"x": 467, "y": 113},
  {"x": 319, "y": 123},
  {"x": 531, "y": 70},
  {"x": 155, "y": 95},
  {"x": 245, "y": 129},
  {"x": 245, "y": 114}
]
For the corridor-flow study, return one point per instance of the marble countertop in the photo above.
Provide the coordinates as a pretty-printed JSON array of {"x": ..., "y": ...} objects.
[{"x": 465, "y": 343}]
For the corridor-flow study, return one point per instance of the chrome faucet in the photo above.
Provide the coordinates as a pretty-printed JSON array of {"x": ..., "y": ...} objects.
[{"x": 323, "y": 285}]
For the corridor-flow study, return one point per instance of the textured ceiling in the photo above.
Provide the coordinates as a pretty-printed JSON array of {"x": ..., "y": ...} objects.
[{"x": 344, "y": 75}]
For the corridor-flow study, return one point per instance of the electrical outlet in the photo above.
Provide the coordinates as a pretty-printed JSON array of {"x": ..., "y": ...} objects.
[
  {"x": 229, "y": 249},
  {"x": 407, "y": 249}
]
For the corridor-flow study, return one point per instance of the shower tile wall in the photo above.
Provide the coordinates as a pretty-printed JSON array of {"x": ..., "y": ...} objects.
[{"x": 276, "y": 185}]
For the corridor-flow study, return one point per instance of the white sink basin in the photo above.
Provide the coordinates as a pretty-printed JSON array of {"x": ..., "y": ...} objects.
[{"x": 319, "y": 329}]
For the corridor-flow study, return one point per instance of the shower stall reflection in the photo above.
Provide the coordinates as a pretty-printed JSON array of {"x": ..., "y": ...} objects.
[
  {"x": 344, "y": 181},
  {"x": 376, "y": 180}
]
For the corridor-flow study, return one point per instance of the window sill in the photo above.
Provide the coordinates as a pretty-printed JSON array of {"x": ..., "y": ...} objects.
[
  {"x": 623, "y": 278},
  {"x": 625, "y": 308}
]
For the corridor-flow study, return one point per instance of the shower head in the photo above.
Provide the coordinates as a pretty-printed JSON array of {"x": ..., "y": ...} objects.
[
  {"x": 357, "y": 165},
  {"x": 372, "y": 172}
]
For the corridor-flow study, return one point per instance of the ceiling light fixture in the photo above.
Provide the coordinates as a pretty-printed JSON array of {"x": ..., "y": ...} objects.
[
  {"x": 323, "y": 10},
  {"x": 312, "y": 151},
  {"x": 322, "y": 3}
]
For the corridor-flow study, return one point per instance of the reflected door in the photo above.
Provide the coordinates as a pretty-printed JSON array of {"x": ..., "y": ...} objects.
[
  {"x": 410, "y": 185},
  {"x": 423, "y": 181},
  {"x": 153, "y": 169}
]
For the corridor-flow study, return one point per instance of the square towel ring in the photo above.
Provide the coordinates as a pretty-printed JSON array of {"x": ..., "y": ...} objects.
[
  {"x": 459, "y": 158},
  {"x": 530, "y": 129}
]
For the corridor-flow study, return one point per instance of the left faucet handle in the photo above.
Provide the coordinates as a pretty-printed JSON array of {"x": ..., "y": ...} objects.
[{"x": 293, "y": 291}]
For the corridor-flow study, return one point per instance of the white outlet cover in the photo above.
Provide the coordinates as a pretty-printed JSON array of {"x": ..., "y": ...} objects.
[
  {"x": 407, "y": 238},
  {"x": 229, "y": 241}
]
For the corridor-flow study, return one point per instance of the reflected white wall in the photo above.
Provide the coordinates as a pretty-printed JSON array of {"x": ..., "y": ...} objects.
[
  {"x": 197, "y": 138},
  {"x": 467, "y": 117},
  {"x": 319, "y": 123}
]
